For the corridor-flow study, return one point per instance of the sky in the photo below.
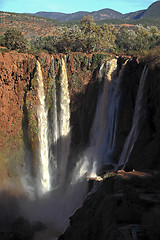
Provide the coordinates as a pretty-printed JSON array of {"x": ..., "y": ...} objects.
[{"x": 71, "y": 6}]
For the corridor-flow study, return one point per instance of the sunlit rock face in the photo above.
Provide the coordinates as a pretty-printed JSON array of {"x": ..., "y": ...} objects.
[{"x": 19, "y": 99}]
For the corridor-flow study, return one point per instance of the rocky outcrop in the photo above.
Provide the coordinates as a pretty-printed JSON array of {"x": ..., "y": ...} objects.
[{"x": 125, "y": 206}]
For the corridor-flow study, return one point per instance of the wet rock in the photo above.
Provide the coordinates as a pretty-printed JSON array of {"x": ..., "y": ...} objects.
[
  {"x": 151, "y": 223},
  {"x": 118, "y": 210},
  {"x": 39, "y": 226},
  {"x": 22, "y": 229}
]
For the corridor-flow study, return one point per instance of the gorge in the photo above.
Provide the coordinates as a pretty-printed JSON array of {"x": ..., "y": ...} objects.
[{"x": 64, "y": 118}]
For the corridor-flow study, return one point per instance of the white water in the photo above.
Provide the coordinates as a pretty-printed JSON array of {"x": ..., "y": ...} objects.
[
  {"x": 102, "y": 135},
  {"x": 55, "y": 207},
  {"x": 64, "y": 122},
  {"x": 103, "y": 128},
  {"x": 53, "y": 154},
  {"x": 60, "y": 203},
  {"x": 132, "y": 137},
  {"x": 44, "y": 182},
  {"x": 54, "y": 135}
]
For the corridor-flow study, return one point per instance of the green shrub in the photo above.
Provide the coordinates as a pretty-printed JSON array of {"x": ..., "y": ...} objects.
[{"x": 15, "y": 40}]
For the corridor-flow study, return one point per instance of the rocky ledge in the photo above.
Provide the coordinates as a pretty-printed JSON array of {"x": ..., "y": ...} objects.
[{"x": 125, "y": 206}]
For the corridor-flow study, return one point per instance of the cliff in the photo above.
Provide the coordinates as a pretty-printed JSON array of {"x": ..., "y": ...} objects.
[
  {"x": 125, "y": 205},
  {"x": 18, "y": 91},
  {"x": 107, "y": 212}
]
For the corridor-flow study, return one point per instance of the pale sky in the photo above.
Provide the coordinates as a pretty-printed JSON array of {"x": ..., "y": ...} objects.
[{"x": 71, "y": 6}]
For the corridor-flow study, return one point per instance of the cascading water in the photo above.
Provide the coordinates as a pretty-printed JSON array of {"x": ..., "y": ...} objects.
[
  {"x": 44, "y": 180},
  {"x": 54, "y": 145},
  {"x": 53, "y": 135},
  {"x": 53, "y": 153},
  {"x": 132, "y": 137},
  {"x": 102, "y": 135},
  {"x": 64, "y": 122},
  {"x": 104, "y": 126},
  {"x": 63, "y": 199}
]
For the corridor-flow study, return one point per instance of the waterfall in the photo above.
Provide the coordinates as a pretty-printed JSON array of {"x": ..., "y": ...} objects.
[
  {"x": 59, "y": 134},
  {"x": 54, "y": 144},
  {"x": 64, "y": 121},
  {"x": 54, "y": 133},
  {"x": 102, "y": 134},
  {"x": 132, "y": 137},
  {"x": 42, "y": 113}
]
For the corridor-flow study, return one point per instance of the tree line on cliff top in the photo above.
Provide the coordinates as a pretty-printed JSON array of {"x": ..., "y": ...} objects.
[{"x": 88, "y": 37}]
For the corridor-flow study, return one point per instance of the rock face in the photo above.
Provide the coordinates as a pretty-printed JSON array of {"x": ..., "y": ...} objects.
[
  {"x": 121, "y": 208},
  {"x": 18, "y": 119},
  {"x": 18, "y": 92},
  {"x": 126, "y": 205},
  {"x": 15, "y": 78},
  {"x": 145, "y": 153}
]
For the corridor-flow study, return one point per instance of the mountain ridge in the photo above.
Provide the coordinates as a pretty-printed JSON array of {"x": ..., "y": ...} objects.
[
  {"x": 152, "y": 11},
  {"x": 98, "y": 15}
]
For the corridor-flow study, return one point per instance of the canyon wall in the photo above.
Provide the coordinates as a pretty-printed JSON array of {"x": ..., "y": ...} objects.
[
  {"x": 18, "y": 119},
  {"x": 18, "y": 91}
]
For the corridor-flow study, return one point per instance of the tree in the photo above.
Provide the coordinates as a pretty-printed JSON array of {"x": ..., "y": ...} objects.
[
  {"x": 105, "y": 39},
  {"x": 14, "y": 39},
  {"x": 97, "y": 38},
  {"x": 125, "y": 39},
  {"x": 70, "y": 39},
  {"x": 89, "y": 29}
]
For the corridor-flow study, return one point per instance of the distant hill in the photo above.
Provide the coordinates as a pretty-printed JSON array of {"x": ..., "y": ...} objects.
[
  {"x": 63, "y": 17},
  {"x": 104, "y": 14},
  {"x": 98, "y": 15},
  {"x": 134, "y": 15},
  {"x": 153, "y": 10},
  {"x": 28, "y": 24}
]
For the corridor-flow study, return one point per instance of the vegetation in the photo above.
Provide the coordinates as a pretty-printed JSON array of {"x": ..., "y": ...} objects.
[
  {"x": 87, "y": 36},
  {"x": 152, "y": 59},
  {"x": 139, "y": 40},
  {"x": 15, "y": 40},
  {"x": 91, "y": 37}
]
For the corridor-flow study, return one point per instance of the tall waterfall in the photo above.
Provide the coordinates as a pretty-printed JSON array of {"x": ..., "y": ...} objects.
[
  {"x": 64, "y": 121},
  {"x": 132, "y": 137},
  {"x": 42, "y": 113},
  {"x": 54, "y": 133},
  {"x": 102, "y": 135},
  {"x": 104, "y": 126},
  {"x": 54, "y": 144},
  {"x": 53, "y": 153}
]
